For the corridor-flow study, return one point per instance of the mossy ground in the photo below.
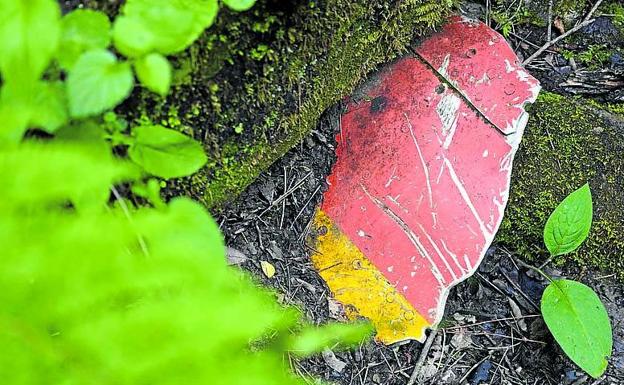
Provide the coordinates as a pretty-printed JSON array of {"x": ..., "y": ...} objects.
[
  {"x": 569, "y": 142},
  {"x": 256, "y": 83}
]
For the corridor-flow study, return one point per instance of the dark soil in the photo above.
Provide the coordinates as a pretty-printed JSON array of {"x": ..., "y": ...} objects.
[
  {"x": 492, "y": 332},
  {"x": 479, "y": 340}
]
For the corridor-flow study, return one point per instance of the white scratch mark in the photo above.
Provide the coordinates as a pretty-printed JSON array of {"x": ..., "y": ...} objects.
[
  {"x": 508, "y": 67},
  {"x": 443, "y": 70},
  {"x": 437, "y": 250},
  {"x": 466, "y": 197},
  {"x": 409, "y": 233},
  {"x": 392, "y": 178},
  {"x": 422, "y": 160},
  {"x": 453, "y": 256},
  {"x": 486, "y": 153},
  {"x": 396, "y": 202},
  {"x": 485, "y": 79},
  {"x": 447, "y": 110}
]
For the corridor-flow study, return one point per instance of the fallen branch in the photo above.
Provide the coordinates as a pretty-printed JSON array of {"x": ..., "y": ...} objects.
[
  {"x": 423, "y": 355},
  {"x": 587, "y": 21}
]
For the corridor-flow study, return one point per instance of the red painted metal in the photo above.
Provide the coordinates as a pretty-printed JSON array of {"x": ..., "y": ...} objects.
[
  {"x": 422, "y": 176},
  {"x": 482, "y": 66}
]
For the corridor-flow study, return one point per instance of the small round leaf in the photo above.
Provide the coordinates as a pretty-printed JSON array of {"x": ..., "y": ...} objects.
[
  {"x": 568, "y": 226},
  {"x": 165, "y": 153},
  {"x": 154, "y": 72},
  {"x": 98, "y": 82},
  {"x": 580, "y": 324},
  {"x": 239, "y": 5},
  {"x": 82, "y": 30}
]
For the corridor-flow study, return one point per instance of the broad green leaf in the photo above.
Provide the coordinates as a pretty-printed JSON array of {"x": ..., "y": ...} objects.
[
  {"x": 49, "y": 110},
  {"x": 14, "y": 120},
  {"x": 82, "y": 30},
  {"x": 314, "y": 339},
  {"x": 165, "y": 153},
  {"x": 88, "y": 134},
  {"x": 98, "y": 82},
  {"x": 239, "y": 5},
  {"x": 48, "y": 173},
  {"x": 154, "y": 72},
  {"x": 206, "y": 10},
  {"x": 568, "y": 226},
  {"x": 580, "y": 324},
  {"x": 39, "y": 104},
  {"x": 163, "y": 26},
  {"x": 29, "y": 35},
  {"x": 132, "y": 37},
  {"x": 16, "y": 101}
]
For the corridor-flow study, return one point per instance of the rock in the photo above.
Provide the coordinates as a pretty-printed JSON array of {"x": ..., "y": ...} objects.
[
  {"x": 481, "y": 373},
  {"x": 561, "y": 150}
]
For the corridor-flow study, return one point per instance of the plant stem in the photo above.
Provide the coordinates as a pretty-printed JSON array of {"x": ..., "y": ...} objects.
[{"x": 537, "y": 269}]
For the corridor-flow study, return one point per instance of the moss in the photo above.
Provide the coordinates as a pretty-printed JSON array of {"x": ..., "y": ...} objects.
[
  {"x": 594, "y": 56},
  {"x": 257, "y": 82},
  {"x": 616, "y": 10},
  {"x": 568, "y": 142}
]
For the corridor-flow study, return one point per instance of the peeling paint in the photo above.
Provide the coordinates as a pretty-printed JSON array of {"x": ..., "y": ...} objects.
[{"x": 419, "y": 188}]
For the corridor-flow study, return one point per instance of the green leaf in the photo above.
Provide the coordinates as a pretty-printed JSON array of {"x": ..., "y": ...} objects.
[
  {"x": 98, "y": 82},
  {"x": 50, "y": 106},
  {"x": 39, "y": 104},
  {"x": 88, "y": 133},
  {"x": 154, "y": 72},
  {"x": 149, "y": 190},
  {"x": 29, "y": 35},
  {"x": 132, "y": 38},
  {"x": 580, "y": 324},
  {"x": 165, "y": 153},
  {"x": 568, "y": 226},
  {"x": 82, "y": 30},
  {"x": 314, "y": 339},
  {"x": 14, "y": 120},
  {"x": 53, "y": 173},
  {"x": 163, "y": 26},
  {"x": 239, "y": 5}
]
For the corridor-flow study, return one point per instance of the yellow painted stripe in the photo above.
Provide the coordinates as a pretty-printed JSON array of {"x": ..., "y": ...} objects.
[{"x": 363, "y": 290}]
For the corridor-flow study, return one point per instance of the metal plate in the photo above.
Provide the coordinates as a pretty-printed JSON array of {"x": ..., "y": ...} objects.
[{"x": 422, "y": 177}]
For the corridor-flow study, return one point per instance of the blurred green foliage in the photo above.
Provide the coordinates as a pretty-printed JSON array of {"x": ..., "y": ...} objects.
[{"x": 95, "y": 288}]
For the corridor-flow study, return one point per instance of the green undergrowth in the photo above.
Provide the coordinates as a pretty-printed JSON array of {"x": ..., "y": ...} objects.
[
  {"x": 568, "y": 142},
  {"x": 101, "y": 280},
  {"x": 254, "y": 86}
]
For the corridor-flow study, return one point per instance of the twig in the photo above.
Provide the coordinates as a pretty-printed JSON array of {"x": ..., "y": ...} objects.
[
  {"x": 587, "y": 21},
  {"x": 556, "y": 40},
  {"x": 591, "y": 12},
  {"x": 286, "y": 194},
  {"x": 550, "y": 20},
  {"x": 126, "y": 211},
  {"x": 461, "y": 381},
  {"x": 423, "y": 355},
  {"x": 304, "y": 206}
]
